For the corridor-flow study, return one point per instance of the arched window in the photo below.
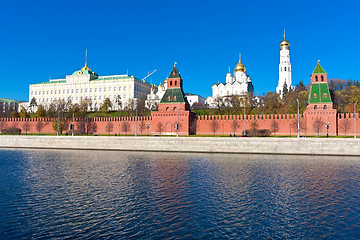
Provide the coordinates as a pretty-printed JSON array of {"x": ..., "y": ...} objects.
[
  {"x": 315, "y": 107},
  {"x": 285, "y": 69},
  {"x": 175, "y": 83},
  {"x": 322, "y": 78},
  {"x": 316, "y": 78},
  {"x": 170, "y": 83},
  {"x": 325, "y": 106},
  {"x": 174, "y": 109},
  {"x": 167, "y": 109},
  {"x": 281, "y": 69}
]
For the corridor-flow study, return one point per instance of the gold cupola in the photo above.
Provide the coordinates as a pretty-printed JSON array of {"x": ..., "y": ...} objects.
[
  {"x": 240, "y": 67},
  {"x": 85, "y": 67}
]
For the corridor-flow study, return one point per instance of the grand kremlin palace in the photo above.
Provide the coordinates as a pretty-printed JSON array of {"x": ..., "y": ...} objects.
[{"x": 85, "y": 84}]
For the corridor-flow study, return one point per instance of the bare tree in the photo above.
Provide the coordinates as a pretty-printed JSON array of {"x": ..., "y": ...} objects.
[
  {"x": 109, "y": 127},
  {"x": 160, "y": 127},
  {"x": 214, "y": 125},
  {"x": 33, "y": 104},
  {"x": 26, "y": 126},
  {"x": 125, "y": 127},
  {"x": 118, "y": 102},
  {"x": 235, "y": 125},
  {"x": 86, "y": 126},
  {"x": 63, "y": 125},
  {"x": 318, "y": 125},
  {"x": 2, "y": 124},
  {"x": 14, "y": 124},
  {"x": 345, "y": 125},
  {"x": 39, "y": 125},
  {"x": 254, "y": 127},
  {"x": 274, "y": 126},
  {"x": 193, "y": 127},
  {"x": 91, "y": 127},
  {"x": 219, "y": 103},
  {"x": 302, "y": 125},
  {"x": 142, "y": 127}
]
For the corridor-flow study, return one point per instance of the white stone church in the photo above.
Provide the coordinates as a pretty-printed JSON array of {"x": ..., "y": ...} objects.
[{"x": 239, "y": 84}]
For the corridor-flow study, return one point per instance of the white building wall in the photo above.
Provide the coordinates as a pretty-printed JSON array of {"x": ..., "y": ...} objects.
[{"x": 81, "y": 88}]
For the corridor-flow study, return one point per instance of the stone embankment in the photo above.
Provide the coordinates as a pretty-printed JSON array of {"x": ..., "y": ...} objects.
[{"x": 293, "y": 146}]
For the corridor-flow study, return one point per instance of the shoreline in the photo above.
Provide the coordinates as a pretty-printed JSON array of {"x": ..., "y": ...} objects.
[{"x": 268, "y": 146}]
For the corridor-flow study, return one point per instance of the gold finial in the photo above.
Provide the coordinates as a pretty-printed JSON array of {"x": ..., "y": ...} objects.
[
  {"x": 318, "y": 61},
  {"x": 175, "y": 64},
  {"x": 284, "y": 33}
]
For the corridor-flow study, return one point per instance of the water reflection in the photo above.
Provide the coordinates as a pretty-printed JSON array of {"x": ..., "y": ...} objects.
[{"x": 95, "y": 194}]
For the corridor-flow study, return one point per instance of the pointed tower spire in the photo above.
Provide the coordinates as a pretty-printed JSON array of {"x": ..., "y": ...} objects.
[{"x": 86, "y": 58}]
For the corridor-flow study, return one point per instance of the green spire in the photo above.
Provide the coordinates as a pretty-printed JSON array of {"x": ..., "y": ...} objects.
[
  {"x": 174, "y": 72},
  {"x": 318, "y": 69}
]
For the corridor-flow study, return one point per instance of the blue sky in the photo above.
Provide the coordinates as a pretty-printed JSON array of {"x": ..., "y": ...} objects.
[{"x": 47, "y": 39}]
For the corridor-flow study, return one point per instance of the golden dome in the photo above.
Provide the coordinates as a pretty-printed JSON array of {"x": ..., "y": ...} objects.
[
  {"x": 240, "y": 67},
  {"x": 85, "y": 67},
  {"x": 284, "y": 43}
]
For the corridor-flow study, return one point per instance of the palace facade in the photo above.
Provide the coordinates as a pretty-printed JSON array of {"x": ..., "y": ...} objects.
[{"x": 85, "y": 84}]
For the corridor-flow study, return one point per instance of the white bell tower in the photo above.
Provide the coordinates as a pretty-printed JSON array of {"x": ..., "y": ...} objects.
[{"x": 284, "y": 67}]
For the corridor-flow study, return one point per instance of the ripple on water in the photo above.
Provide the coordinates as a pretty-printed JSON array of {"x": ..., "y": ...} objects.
[{"x": 90, "y": 194}]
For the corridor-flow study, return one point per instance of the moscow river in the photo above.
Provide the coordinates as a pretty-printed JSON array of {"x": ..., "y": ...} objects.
[{"x": 62, "y": 194}]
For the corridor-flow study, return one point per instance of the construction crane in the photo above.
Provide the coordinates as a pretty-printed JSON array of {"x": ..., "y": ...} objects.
[{"x": 148, "y": 75}]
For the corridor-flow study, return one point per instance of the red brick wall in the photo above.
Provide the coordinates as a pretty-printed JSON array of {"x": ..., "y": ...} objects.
[
  {"x": 339, "y": 123},
  {"x": 225, "y": 124}
]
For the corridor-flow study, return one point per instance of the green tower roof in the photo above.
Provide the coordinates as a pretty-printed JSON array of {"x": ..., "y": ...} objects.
[
  {"x": 174, "y": 73},
  {"x": 173, "y": 95},
  {"x": 319, "y": 93},
  {"x": 318, "y": 69}
]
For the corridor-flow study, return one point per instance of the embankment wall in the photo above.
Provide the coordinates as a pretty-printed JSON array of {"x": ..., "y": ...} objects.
[{"x": 293, "y": 146}]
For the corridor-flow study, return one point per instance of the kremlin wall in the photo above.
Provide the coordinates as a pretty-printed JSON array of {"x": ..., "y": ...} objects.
[{"x": 174, "y": 110}]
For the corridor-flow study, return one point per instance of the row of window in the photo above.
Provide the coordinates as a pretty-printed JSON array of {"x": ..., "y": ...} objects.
[
  {"x": 281, "y": 69},
  {"x": 321, "y": 78},
  {"x": 78, "y": 98},
  {"x": 316, "y": 107},
  {"x": 77, "y": 90}
]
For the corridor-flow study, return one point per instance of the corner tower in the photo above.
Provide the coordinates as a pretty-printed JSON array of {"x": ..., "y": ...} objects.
[
  {"x": 319, "y": 96},
  {"x": 319, "y": 113},
  {"x": 284, "y": 67}
]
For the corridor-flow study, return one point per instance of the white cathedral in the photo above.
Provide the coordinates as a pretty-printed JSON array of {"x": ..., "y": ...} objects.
[
  {"x": 284, "y": 67},
  {"x": 238, "y": 84}
]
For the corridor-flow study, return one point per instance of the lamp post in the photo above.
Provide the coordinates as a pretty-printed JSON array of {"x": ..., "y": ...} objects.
[
  {"x": 177, "y": 122},
  {"x": 73, "y": 121},
  {"x": 147, "y": 128},
  {"x": 327, "y": 124},
  {"x": 136, "y": 120},
  {"x": 244, "y": 120},
  {"x": 298, "y": 120},
  {"x": 290, "y": 130},
  {"x": 58, "y": 123},
  {"x": 355, "y": 120}
]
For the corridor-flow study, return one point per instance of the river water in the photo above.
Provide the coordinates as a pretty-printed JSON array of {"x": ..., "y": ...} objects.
[{"x": 62, "y": 194}]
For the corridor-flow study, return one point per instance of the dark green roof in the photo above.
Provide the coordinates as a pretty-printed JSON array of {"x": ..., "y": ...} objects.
[
  {"x": 6, "y": 100},
  {"x": 318, "y": 69},
  {"x": 174, "y": 73},
  {"x": 173, "y": 95},
  {"x": 319, "y": 93}
]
